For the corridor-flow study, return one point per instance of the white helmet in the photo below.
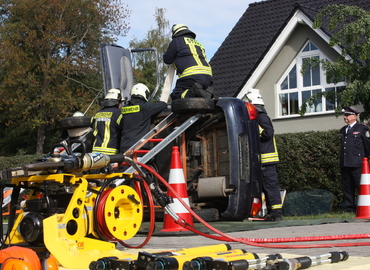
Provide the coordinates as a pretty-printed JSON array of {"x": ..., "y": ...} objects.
[
  {"x": 78, "y": 114},
  {"x": 140, "y": 89},
  {"x": 180, "y": 27},
  {"x": 255, "y": 97},
  {"x": 112, "y": 98}
]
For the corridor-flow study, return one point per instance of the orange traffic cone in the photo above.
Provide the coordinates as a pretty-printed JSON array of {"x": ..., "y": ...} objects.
[
  {"x": 177, "y": 182},
  {"x": 363, "y": 202}
]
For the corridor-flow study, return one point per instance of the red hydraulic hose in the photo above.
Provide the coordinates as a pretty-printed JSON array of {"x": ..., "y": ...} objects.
[
  {"x": 102, "y": 227},
  {"x": 151, "y": 218},
  {"x": 258, "y": 242}
]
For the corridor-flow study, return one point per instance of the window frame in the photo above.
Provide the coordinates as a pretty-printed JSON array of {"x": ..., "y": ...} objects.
[{"x": 291, "y": 111}]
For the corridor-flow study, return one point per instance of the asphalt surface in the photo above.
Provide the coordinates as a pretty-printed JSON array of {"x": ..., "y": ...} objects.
[{"x": 271, "y": 231}]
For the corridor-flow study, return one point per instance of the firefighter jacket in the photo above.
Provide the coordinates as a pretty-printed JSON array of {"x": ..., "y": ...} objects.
[
  {"x": 137, "y": 116},
  {"x": 354, "y": 145},
  {"x": 269, "y": 153},
  {"x": 107, "y": 130},
  {"x": 188, "y": 55}
]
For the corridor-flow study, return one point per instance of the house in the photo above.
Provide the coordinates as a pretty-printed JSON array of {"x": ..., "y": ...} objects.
[{"x": 265, "y": 50}]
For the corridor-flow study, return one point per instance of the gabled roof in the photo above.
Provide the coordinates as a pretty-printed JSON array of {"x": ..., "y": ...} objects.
[{"x": 253, "y": 36}]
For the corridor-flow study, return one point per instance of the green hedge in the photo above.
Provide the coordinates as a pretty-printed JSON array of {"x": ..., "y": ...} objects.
[{"x": 310, "y": 160}]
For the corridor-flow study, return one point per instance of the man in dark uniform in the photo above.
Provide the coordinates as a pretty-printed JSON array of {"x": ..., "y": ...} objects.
[
  {"x": 269, "y": 158},
  {"x": 354, "y": 146},
  {"x": 137, "y": 116},
  {"x": 193, "y": 70},
  {"x": 106, "y": 124}
]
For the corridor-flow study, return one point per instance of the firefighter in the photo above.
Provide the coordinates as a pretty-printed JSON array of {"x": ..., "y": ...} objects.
[
  {"x": 193, "y": 70},
  {"x": 137, "y": 116},
  {"x": 107, "y": 124},
  {"x": 270, "y": 157}
]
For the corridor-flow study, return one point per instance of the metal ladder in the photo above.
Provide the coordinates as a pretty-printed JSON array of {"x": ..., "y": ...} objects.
[{"x": 166, "y": 122}]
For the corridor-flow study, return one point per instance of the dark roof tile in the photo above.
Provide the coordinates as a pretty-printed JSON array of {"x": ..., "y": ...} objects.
[{"x": 254, "y": 34}]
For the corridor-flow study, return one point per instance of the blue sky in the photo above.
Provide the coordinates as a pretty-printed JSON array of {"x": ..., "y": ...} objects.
[{"x": 211, "y": 20}]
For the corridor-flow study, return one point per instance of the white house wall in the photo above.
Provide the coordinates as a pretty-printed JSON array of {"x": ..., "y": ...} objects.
[{"x": 268, "y": 81}]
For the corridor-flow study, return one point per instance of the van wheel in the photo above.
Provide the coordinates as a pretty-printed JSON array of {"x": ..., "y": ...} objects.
[
  {"x": 196, "y": 104},
  {"x": 74, "y": 122}
]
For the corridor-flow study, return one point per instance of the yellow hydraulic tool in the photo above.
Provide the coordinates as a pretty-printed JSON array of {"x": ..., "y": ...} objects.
[{"x": 71, "y": 236}]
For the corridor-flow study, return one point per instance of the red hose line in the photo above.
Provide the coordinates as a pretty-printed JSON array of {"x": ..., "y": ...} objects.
[
  {"x": 151, "y": 219},
  {"x": 254, "y": 241},
  {"x": 102, "y": 227}
]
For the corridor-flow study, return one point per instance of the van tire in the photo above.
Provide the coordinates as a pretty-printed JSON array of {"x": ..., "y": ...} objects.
[
  {"x": 191, "y": 105},
  {"x": 74, "y": 122}
]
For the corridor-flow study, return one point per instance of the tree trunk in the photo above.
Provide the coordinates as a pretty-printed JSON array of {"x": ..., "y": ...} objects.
[{"x": 40, "y": 139}]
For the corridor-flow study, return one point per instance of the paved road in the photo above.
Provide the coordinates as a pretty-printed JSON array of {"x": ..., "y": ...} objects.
[
  {"x": 359, "y": 256},
  {"x": 272, "y": 230}
]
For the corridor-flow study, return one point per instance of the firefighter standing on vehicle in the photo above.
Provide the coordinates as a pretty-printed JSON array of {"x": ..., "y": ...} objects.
[
  {"x": 193, "y": 70},
  {"x": 107, "y": 124},
  {"x": 270, "y": 157},
  {"x": 137, "y": 116}
]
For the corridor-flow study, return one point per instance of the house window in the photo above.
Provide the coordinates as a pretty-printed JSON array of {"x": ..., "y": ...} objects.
[{"x": 295, "y": 88}]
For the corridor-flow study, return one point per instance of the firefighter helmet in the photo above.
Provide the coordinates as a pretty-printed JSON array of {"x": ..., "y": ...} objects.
[
  {"x": 181, "y": 29},
  {"x": 255, "y": 97},
  {"x": 78, "y": 114},
  {"x": 112, "y": 98},
  {"x": 140, "y": 89}
]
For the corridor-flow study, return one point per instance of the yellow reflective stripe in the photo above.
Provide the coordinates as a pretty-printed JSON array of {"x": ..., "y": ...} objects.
[
  {"x": 276, "y": 206},
  {"x": 196, "y": 70},
  {"x": 106, "y": 134},
  {"x": 192, "y": 43},
  {"x": 119, "y": 119},
  {"x": 103, "y": 115},
  {"x": 270, "y": 157},
  {"x": 260, "y": 129},
  {"x": 108, "y": 151},
  {"x": 130, "y": 109},
  {"x": 184, "y": 93}
]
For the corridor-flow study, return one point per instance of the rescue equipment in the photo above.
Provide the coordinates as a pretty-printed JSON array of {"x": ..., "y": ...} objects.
[
  {"x": 177, "y": 262},
  {"x": 306, "y": 262},
  {"x": 203, "y": 263},
  {"x": 363, "y": 203},
  {"x": 237, "y": 263},
  {"x": 144, "y": 258}
]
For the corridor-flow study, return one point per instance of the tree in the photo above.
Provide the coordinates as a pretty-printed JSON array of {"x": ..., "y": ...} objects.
[
  {"x": 49, "y": 58},
  {"x": 350, "y": 28},
  {"x": 145, "y": 62}
]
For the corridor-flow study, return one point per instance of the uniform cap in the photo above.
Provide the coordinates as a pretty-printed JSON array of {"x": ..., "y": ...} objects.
[{"x": 347, "y": 110}]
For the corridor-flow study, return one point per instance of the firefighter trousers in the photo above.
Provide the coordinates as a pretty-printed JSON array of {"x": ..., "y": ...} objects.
[{"x": 270, "y": 187}]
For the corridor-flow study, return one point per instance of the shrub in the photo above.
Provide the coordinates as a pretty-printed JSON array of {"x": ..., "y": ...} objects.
[{"x": 310, "y": 160}]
